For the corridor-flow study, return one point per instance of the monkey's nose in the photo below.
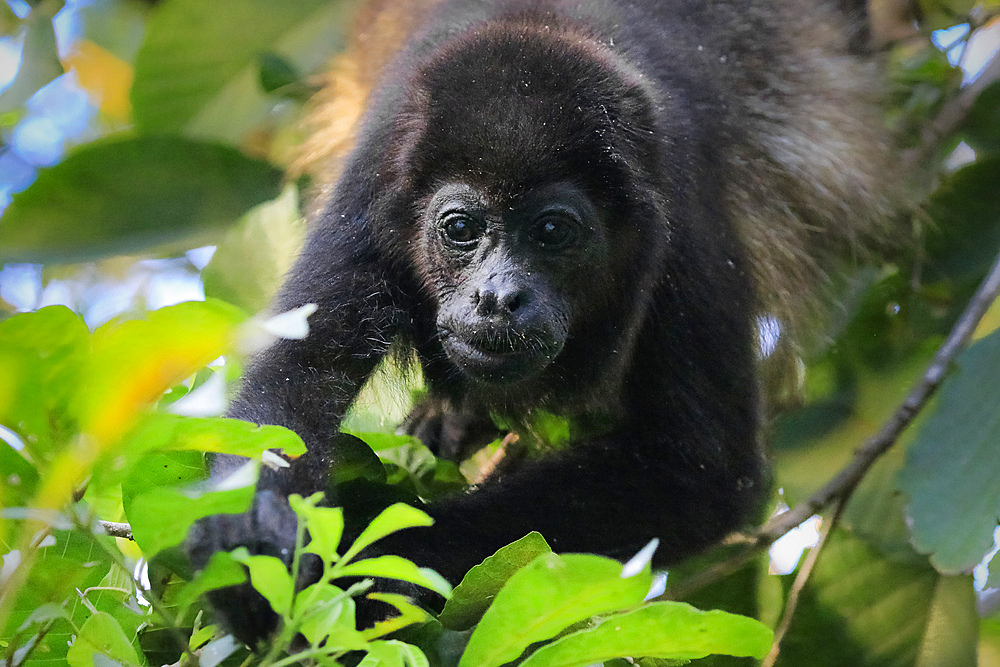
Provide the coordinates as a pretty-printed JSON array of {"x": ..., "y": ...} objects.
[{"x": 492, "y": 301}]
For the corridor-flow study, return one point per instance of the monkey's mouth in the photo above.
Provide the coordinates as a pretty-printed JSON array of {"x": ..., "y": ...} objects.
[{"x": 496, "y": 361}]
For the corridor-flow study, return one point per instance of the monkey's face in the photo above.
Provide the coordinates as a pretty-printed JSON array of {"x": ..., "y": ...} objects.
[{"x": 506, "y": 273}]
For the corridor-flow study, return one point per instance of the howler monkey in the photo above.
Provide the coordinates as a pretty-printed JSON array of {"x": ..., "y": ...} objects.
[{"x": 580, "y": 206}]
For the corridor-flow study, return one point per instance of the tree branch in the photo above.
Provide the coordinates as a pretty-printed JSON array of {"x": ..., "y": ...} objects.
[
  {"x": 842, "y": 485},
  {"x": 843, "y": 482}
]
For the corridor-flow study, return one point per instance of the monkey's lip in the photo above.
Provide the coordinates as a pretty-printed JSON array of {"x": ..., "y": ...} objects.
[{"x": 501, "y": 366}]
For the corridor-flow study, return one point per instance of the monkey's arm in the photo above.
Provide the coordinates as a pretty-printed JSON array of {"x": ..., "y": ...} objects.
[
  {"x": 610, "y": 495},
  {"x": 305, "y": 385}
]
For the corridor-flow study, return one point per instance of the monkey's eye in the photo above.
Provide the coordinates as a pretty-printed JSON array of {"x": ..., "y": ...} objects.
[
  {"x": 461, "y": 229},
  {"x": 554, "y": 231}
]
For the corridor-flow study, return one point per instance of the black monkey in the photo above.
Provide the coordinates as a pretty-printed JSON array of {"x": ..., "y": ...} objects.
[{"x": 582, "y": 207}]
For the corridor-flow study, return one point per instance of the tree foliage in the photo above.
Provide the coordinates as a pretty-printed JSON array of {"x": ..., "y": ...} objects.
[{"x": 103, "y": 429}]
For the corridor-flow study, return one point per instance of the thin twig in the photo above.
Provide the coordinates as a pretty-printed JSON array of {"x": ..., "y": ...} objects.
[
  {"x": 795, "y": 592},
  {"x": 490, "y": 466},
  {"x": 117, "y": 529},
  {"x": 849, "y": 476},
  {"x": 116, "y": 557},
  {"x": 950, "y": 118},
  {"x": 840, "y": 487}
]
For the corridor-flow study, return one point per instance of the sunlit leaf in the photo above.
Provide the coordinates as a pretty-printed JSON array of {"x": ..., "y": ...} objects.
[
  {"x": 106, "y": 78},
  {"x": 481, "y": 584},
  {"x": 73, "y": 563},
  {"x": 393, "y": 654},
  {"x": 862, "y": 609},
  {"x": 124, "y": 195},
  {"x": 395, "y": 567},
  {"x": 409, "y": 614},
  {"x": 545, "y": 597},
  {"x": 326, "y": 526},
  {"x": 135, "y": 361},
  {"x": 146, "y": 513},
  {"x": 663, "y": 630},
  {"x": 42, "y": 357},
  {"x": 198, "y": 68},
  {"x": 270, "y": 577},
  {"x": 102, "y": 635},
  {"x": 393, "y": 518},
  {"x": 220, "y": 435},
  {"x": 329, "y": 615}
]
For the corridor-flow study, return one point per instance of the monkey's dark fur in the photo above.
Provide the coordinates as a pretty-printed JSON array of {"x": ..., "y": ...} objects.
[{"x": 578, "y": 206}]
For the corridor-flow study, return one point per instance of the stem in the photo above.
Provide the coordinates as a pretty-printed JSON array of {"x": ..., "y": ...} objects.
[
  {"x": 808, "y": 565},
  {"x": 170, "y": 622},
  {"x": 303, "y": 655},
  {"x": 117, "y": 529}
]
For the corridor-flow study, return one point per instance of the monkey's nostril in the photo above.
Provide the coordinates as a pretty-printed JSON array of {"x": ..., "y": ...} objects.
[
  {"x": 513, "y": 302},
  {"x": 486, "y": 302}
]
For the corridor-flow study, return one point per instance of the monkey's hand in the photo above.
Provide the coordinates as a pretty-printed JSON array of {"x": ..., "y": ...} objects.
[{"x": 268, "y": 528}]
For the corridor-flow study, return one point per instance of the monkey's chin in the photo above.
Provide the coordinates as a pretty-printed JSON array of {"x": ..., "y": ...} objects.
[{"x": 493, "y": 366}]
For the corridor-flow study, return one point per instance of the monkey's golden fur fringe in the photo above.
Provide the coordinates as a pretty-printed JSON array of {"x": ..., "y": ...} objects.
[{"x": 813, "y": 183}]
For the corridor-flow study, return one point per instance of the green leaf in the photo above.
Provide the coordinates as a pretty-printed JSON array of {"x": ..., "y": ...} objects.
[
  {"x": 355, "y": 460},
  {"x": 671, "y": 630},
  {"x": 220, "y": 572},
  {"x": 270, "y": 577},
  {"x": 409, "y": 614},
  {"x": 395, "y": 567},
  {"x": 163, "y": 469},
  {"x": 219, "y": 435},
  {"x": 198, "y": 71},
  {"x": 415, "y": 468},
  {"x": 473, "y": 595},
  {"x": 201, "y": 637},
  {"x": 862, "y": 609},
  {"x": 39, "y": 59},
  {"x": 330, "y": 616},
  {"x": 982, "y": 124},
  {"x": 325, "y": 526},
  {"x": 255, "y": 254},
  {"x": 125, "y": 195},
  {"x": 135, "y": 361},
  {"x": 74, "y": 563},
  {"x": 18, "y": 479},
  {"x": 101, "y": 635},
  {"x": 393, "y": 654},
  {"x": 547, "y": 596},
  {"x": 989, "y": 642},
  {"x": 42, "y": 358},
  {"x": 966, "y": 215},
  {"x": 393, "y": 518},
  {"x": 823, "y": 435},
  {"x": 147, "y": 511},
  {"x": 379, "y": 441},
  {"x": 279, "y": 76},
  {"x": 952, "y": 473}
]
